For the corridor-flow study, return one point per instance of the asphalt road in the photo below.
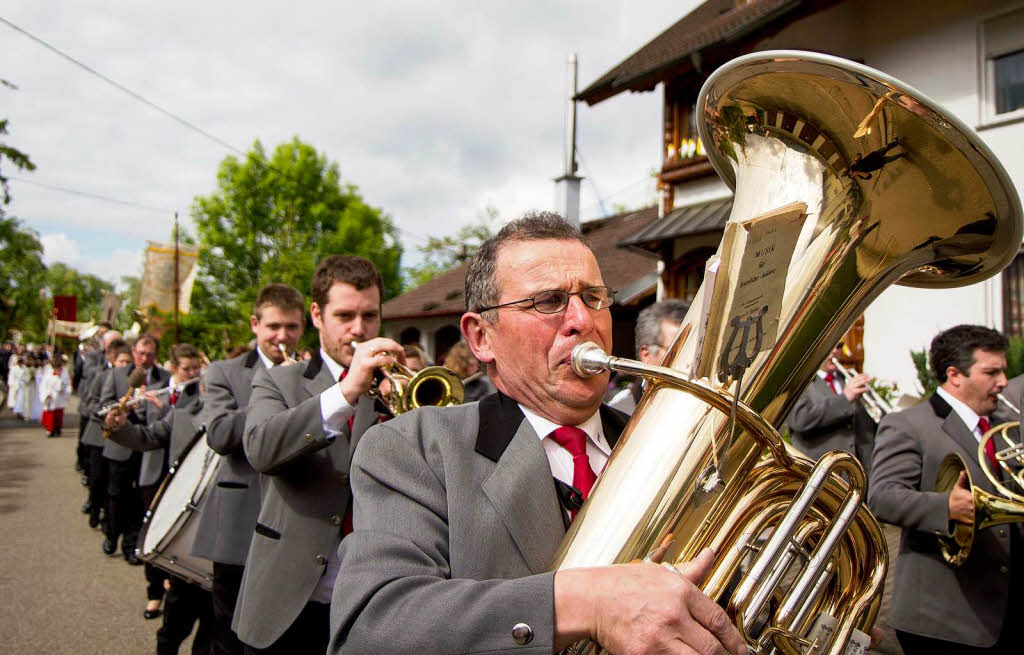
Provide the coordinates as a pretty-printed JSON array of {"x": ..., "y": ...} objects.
[{"x": 59, "y": 592}]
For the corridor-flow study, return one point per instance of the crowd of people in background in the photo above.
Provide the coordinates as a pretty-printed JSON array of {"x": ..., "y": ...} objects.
[{"x": 38, "y": 385}]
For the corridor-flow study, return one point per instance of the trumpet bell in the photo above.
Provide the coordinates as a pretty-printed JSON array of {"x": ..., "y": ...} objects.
[{"x": 433, "y": 386}]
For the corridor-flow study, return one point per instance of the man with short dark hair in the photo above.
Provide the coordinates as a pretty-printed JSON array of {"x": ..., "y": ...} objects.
[
  {"x": 656, "y": 328},
  {"x": 938, "y": 608},
  {"x": 91, "y": 428},
  {"x": 124, "y": 499},
  {"x": 303, "y": 423},
  {"x": 233, "y": 502},
  {"x": 458, "y": 514}
]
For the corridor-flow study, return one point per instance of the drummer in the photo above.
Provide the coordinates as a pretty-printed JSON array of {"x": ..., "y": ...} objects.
[{"x": 185, "y": 602}]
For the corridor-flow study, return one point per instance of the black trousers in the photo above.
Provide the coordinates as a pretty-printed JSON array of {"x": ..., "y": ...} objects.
[
  {"x": 97, "y": 480},
  {"x": 124, "y": 501},
  {"x": 227, "y": 580},
  {"x": 154, "y": 576},
  {"x": 311, "y": 633},
  {"x": 186, "y": 603}
]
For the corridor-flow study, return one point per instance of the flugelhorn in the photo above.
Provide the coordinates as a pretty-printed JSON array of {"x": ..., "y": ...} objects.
[
  {"x": 801, "y": 562},
  {"x": 288, "y": 358},
  {"x": 989, "y": 509},
  {"x": 870, "y": 400},
  {"x": 433, "y": 386}
]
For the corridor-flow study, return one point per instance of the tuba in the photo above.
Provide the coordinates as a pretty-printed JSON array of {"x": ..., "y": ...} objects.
[{"x": 894, "y": 190}]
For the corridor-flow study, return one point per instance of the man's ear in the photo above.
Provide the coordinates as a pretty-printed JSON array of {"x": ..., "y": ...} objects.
[
  {"x": 253, "y": 322},
  {"x": 476, "y": 332},
  {"x": 314, "y": 313}
]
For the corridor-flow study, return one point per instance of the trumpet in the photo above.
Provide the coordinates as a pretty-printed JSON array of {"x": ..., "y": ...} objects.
[
  {"x": 288, "y": 359},
  {"x": 871, "y": 401},
  {"x": 128, "y": 402},
  {"x": 433, "y": 386}
]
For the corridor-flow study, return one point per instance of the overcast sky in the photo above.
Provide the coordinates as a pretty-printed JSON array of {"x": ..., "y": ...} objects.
[{"x": 434, "y": 110}]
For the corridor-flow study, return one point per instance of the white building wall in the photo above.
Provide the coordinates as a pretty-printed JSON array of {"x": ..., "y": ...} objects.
[{"x": 934, "y": 47}]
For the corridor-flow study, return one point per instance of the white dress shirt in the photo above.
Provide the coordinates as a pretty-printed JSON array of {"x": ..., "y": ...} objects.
[
  {"x": 969, "y": 417},
  {"x": 263, "y": 358},
  {"x": 559, "y": 458}
]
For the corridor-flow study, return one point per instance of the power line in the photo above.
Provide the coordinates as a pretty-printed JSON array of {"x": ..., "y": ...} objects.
[
  {"x": 124, "y": 89},
  {"x": 94, "y": 196}
]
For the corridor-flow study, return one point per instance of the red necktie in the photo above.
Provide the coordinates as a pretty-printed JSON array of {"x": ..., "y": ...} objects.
[
  {"x": 174, "y": 398},
  {"x": 830, "y": 378},
  {"x": 990, "y": 445},
  {"x": 574, "y": 440}
]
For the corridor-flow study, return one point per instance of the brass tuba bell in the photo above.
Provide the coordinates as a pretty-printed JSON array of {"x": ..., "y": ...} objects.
[{"x": 896, "y": 191}]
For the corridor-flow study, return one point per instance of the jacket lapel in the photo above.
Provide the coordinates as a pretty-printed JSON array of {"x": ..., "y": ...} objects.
[
  {"x": 520, "y": 486},
  {"x": 317, "y": 375}
]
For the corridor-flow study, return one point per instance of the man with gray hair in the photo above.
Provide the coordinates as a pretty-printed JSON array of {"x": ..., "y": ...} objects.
[
  {"x": 459, "y": 510},
  {"x": 656, "y": 328}
]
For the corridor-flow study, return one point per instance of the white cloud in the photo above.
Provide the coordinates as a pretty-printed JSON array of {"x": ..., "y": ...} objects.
[{"x": 112, "y": 266}]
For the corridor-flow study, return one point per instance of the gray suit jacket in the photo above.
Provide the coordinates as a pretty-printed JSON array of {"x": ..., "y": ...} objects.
[
  {"x": 304, "y": 495},
  {"x": 964, "y": 605},
  {"x": 1014, "y": 392},
  {"x": 457, "y": 521},
  {"x": 155, "y": 462},
  {"x": 175, "y": 432},
  {"x": 822, "y": 421},
  {"x": 90, "y": 427},
  {"x": 232, "y": 505},
  {"x": 115, "y": 386}
]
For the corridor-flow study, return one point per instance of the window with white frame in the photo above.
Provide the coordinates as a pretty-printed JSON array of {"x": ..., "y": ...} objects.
[{"x": 1002, "y": 39}]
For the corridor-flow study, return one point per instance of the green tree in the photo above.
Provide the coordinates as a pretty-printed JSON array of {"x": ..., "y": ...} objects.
[
  {"x": 62, "y": 280},
  {"x": 21, "y": 276},
  {"x": 12, "y": 154},
  {"x": 444, "y": 253},
  {"x": 272, "y": 219}
]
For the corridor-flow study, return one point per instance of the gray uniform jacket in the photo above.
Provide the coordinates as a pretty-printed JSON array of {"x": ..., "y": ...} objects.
[
  {"x": 115, "y": 386},
  {"x": 155, "y": 462},
  {"x": 822, "y": 421},
  {"x": 232, "y": 504},
  {"x": 176, "y": 432},
  {"x": 304, "y": 495},
  {"x": 966, "y": 604},
  {"x": 457, "y": 521},
  {"x": 89, "y": 401},
  {"x": 1014, "y": 392}
]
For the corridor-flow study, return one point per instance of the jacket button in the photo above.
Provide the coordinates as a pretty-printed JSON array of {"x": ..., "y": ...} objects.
[
  {"x": 335, "y": 519},
  {"x": 321, "y": 560},
  {"x": 309, "y": 438},
  {"x": 1004, "y": 569},
  {"x": 522, "y": 634}
]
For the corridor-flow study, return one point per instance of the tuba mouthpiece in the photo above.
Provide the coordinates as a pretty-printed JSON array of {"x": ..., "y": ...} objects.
[{"x": 589, "y": 359}]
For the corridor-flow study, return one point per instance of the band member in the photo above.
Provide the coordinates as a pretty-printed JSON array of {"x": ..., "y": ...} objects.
[
  {"x": 118, "y": 354},
  {"x": 656, "y": 328},
  {"x": 304, "y": 421},
  {"x": 175, "y": 432},
  {"x": 185, "y": 362},
  {"x": 233, "y": 503},
  {"x": 829, "y": 416},
  {"x": 457, "y": 518},
  {"x": 124, "y": 500},
  {"x": 937, "y": 608}
]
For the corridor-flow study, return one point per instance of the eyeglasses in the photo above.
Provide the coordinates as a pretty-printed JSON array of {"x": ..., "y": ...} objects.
[{"x": 553, "y": 301}]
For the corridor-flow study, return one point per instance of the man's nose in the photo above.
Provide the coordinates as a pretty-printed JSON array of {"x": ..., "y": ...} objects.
[{"x": 577, "y": 318}]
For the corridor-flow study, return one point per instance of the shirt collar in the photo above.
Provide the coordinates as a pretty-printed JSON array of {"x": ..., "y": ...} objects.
[
  {"x": 334, "y": 367},
  {"x": 969, "y": 417},
  {"x": 592, "y": 426},
  {"x": 263, "y": 358}
]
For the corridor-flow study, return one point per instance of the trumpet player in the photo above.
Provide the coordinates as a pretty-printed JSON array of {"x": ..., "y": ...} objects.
[
  {"x": 460, "y": 510},
  {"x": 233, "y": 503},
  {"x": 830, "y": 415},
  {"x": 936, "y": 608},
  {"x": 302, "y": 425}
]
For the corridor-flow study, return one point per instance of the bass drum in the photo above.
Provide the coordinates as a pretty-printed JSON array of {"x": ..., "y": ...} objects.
[{"x": 169, "y": 529}]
